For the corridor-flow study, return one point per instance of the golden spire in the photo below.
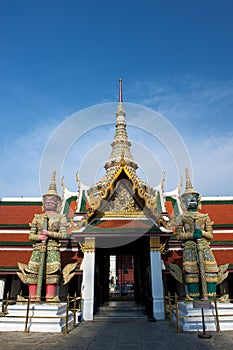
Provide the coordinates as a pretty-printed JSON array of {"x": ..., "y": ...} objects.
[
  {"x": 120, "y": 139},
  {"x": 52, "y": 191},
  {"x": 188, "y": 186}
]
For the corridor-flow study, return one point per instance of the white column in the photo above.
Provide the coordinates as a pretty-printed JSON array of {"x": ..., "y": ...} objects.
[
  {"x": 88, "y": 266},
  {"x": 2, "y": 288},
  {"x": 156, "y": 279}
]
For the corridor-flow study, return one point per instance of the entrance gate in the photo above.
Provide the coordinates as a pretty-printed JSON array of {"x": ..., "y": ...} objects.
[{"x": 123, "y": 273}]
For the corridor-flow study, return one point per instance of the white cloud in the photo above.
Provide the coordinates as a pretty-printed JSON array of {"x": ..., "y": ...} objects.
[{"x": 188, "y": 102}]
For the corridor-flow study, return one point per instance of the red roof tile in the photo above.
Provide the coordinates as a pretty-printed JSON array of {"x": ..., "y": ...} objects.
[
  {"x": 11, "y": 258},
  {"x": 122, "y": 224},
  {"x": 223, "y": 237},
  {"x": 18, "y": 214},
  {"x": 219, "y": 213},
  {"x": 14, "y": 237},
  {"x": 223, "y": 256}
]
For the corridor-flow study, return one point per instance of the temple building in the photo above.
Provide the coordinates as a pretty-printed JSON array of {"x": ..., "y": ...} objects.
[{"x": 121, "y": 233}]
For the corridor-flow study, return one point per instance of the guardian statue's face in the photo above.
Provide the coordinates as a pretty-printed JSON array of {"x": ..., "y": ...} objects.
[
  {"x": 50, "y": 202},
  {"x": 191, "y": 201}
]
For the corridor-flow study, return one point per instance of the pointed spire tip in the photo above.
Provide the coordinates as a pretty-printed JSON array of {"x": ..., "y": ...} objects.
[
  {"x": 52, "y": 191},
  {"x": 120, "y": 91},
  {"x": 188, "y": 186}
]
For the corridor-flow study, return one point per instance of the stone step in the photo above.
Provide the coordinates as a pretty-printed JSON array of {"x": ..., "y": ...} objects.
[
  {"x": 120, "y": 311},
  {"x": 119, "y": 318}
]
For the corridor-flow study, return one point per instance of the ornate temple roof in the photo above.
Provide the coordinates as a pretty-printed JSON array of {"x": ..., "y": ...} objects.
[
  {"x": 119, "y": 195},
  {"x": 121, "y": 176}
]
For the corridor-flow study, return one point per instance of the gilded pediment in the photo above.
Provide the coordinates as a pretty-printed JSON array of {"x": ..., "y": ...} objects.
[{"x": 122, "y": 199}]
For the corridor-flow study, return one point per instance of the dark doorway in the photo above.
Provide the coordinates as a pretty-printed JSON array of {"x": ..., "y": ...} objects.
[{"x": 122, "y": 273}]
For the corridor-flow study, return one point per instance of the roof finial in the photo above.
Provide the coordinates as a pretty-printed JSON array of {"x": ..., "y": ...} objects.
[
  {"x": 120, "y": 91},
  {"x": 188, "y": 186},
  {"x": 52, "y": 191}
]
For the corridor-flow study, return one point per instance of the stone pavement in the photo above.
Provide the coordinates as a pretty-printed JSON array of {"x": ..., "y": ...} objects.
[{"x": 117, "y": 335}]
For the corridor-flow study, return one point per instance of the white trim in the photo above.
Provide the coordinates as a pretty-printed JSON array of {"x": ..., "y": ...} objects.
[
  {"x": 16, "y": 231},
  {"x": 29, "y": 249},
  {"x": 117, "y": 218},
  {"x": 212, "y": 248},
  {"x": 16, "y": 249},
  {"x": 21, "y": 199},
  {"x": 222, "y": 231},
  {"x": 221, "y": 248},
  {"x": 217, "y": 198}
]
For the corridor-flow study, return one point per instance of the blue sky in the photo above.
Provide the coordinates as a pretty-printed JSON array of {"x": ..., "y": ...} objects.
[{"x": 58, "y": 57}]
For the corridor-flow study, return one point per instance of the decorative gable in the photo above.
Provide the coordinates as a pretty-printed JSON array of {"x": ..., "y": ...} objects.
[{"x": 122, "y": 199}]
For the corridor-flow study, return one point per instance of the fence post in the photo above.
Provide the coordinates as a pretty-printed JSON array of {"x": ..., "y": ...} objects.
[
  {"x": 81, "y": 302},
  {"x": 170, "y": 308},
  {"x": 75, "y": 306},
  {"x": 67, "y": 314},
  {"x": 177, "y": 314},
  {"x": 216, "y": 314},
  {"x": 27, "y": 314},
  {"x": 164, "y": 305},
  {"x": 7, "y": 302}
]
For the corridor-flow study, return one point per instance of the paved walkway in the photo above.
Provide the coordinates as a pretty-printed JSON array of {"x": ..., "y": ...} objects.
[{"x": 117, "y": 335}]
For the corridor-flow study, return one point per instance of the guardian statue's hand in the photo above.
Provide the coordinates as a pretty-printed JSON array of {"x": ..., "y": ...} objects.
[
  {"x": 197, "y": 234},
  {"x": 42, "y": 238},
  {"x": 46, "y": 233}
]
